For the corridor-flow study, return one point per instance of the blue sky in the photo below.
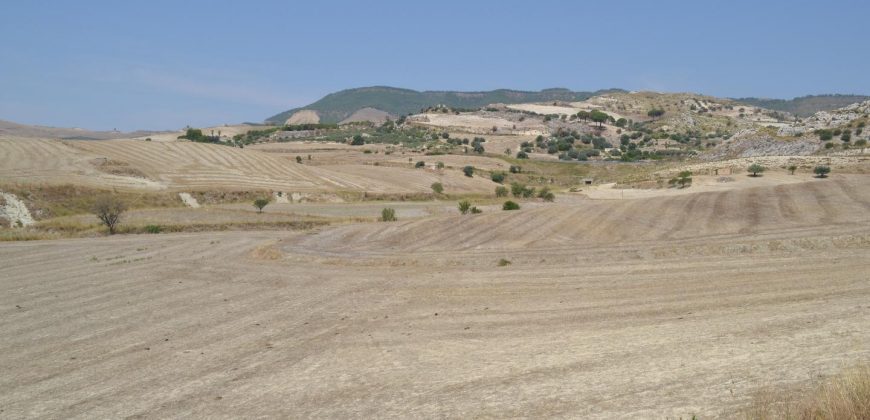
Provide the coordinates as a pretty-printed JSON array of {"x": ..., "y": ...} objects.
[{"x": 166, "y": 64}]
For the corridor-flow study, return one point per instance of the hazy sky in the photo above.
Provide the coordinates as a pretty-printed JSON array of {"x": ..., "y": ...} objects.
[{"x": 166, "y": 64}]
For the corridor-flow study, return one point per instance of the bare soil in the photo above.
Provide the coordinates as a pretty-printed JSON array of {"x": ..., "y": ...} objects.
[{"x": 639, "y": 308}]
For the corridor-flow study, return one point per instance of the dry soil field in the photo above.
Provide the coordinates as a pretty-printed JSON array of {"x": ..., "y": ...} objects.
[
  {"x": 639, "y": 308},
  {"x": 185, "y": 166}
]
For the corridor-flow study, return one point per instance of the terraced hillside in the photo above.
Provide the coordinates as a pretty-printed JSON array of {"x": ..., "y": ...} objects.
[
  {"x": 842, "y": 201},
  {"x": 187, "y": 166}
]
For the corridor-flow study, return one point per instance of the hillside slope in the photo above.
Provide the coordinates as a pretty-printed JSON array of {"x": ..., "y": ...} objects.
[
  {"x": 337, "y": 106},
  {"x": 805, "y": 106}
]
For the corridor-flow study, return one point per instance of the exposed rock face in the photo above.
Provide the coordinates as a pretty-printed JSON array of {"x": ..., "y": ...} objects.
[
  {"x": 305, "y": 116},
  {"x": 827, "y": 119},
  {"x": 751, "y": 143},
  {"x": 368, "y": 114}
]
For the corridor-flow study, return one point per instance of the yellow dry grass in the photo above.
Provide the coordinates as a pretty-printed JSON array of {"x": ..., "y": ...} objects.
[{"x": 843, "y": 397}]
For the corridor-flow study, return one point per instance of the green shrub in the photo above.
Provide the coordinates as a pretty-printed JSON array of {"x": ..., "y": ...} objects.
[
  {"x": 510, "y": 205},
  {"x": 822, "y": 171},
  {"x": 522, "y": 155},
  {"x": 517, "y": 189},
  {"x": 260, "y": 203},
  {"x": 501, "y": 191},
  {"x": 388, "y": 215},
  {"x": 419, "y": 164},
  {"x": 439, "y": 165},
  {"x": 475, "y": 210},
  {"x": 437, "y": 187},
  {"x": 791, "y": 169},
  {"x": 152, "y": 229},
  {"x": 516, "y": 169},
  {"x": 464, "y": 207},
  {"x": 358, "y": 140},
  {"x": 503, "y": 262},
  {"x": 755, "y": 169},
  {"x": 497, "y": 177},
  {"x": 468, "y": 171},
  {"x": 546, "y": 195}
]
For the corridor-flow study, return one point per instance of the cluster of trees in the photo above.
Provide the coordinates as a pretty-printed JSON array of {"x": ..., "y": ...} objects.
[{"x": 195, "y": 134}]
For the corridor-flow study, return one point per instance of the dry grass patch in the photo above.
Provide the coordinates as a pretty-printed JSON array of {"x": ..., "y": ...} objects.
[
  {"x": 47, "y": 201},
  {"x": 845, "y": 396}
]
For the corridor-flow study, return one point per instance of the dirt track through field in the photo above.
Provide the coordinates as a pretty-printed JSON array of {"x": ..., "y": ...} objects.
[{"x": 641, "y": 308}]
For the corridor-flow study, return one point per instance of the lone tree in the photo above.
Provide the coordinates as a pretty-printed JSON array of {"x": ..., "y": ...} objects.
[
  {"x": 791, "y": 169},
  {"x": 822, "y": 171},
  {"x": 108, "y": 209},
  {"x": 468, "y": 171},
  {"x": 756, "y": 169},
  {"x": 260, "y": 203},
  {"x": 598, "y": 116}
]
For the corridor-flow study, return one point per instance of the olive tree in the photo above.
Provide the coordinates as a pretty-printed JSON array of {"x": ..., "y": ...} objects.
[
  {"x": 822, "y": 171},
  {"x": 756, "y": 169}
]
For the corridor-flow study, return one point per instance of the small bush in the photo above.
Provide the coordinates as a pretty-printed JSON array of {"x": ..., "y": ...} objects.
[
  {"x": 437, "y": 188},
  {"x": 388, "y": 215},
  {"x": 358, "y": 140},
  {"x": 546, "y": 195},
  {"x": 510, "y": 205},
  {"x": 152, "y": 229},
  {"x": 522, "y": 155},
  {"x": 419, "y": 164},
  {"x": 503, "y": 262},
  {"x": 791, "y": 169},
  {"x": 516, "y": 169},
  {"x": 517, "y": 189},
  {"x": 468, "y": 171},
  {"x": 501, "y": 191},
  {"x": 497, "y": 177},
  {"x": 439, "y": 165},
  {"x": 464, "y": 207},
  {"x": 475, "y": 210}
]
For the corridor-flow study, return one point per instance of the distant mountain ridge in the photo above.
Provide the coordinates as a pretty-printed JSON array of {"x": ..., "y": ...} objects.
[
  {"x": 337, "y": 106},
  {"x": 805, "y": 106}
]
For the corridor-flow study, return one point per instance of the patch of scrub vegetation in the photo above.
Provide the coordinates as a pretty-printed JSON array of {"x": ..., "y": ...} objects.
[{"x": 47, "y": 201}]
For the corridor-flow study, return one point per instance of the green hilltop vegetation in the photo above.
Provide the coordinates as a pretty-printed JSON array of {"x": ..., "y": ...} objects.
[
  {"x": 805, "y": 106},
  {"x": 337, "y": 106}
]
